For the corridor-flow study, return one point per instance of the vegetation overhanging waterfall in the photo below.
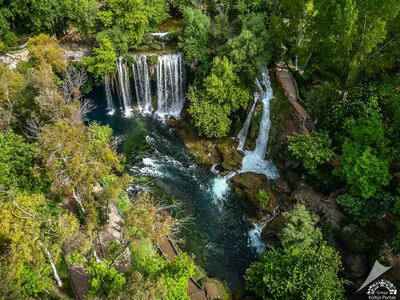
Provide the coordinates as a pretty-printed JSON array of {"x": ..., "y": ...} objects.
[{"x": 170, "y": 85}]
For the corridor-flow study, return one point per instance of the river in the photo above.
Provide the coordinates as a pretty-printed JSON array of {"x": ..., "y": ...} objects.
[{"x": 218, "y": 230}]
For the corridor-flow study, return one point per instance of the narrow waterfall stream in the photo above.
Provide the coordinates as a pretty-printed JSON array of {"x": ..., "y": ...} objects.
[
  {"x": 107, "y": 87},
  {"x": 254, "y": 161},
  {"x": 242, "y": 136}
]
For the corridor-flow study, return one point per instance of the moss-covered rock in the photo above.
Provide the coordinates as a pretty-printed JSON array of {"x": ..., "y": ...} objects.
[
  {"x": 216, "y": 289},
  {"x": 247, "y": 187},
  {"x": 231, "y": 158}
]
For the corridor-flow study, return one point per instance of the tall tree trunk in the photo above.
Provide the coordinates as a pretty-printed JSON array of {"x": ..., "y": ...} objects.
[{"x": 53, "y": 266}]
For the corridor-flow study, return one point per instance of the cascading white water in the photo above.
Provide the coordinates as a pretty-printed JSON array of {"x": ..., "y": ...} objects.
[
  {"x": 245, "y": 129},
  {"x": 255, "y": 241},
  {"x": 141, "y": 76},
  {"x": 220, "y": 186},
  {"x": 170, "y": 85},
  {"x": 124, "y": 85},
  {"x": 254, "y": 161},
  {"x": 110, "y": 104}
]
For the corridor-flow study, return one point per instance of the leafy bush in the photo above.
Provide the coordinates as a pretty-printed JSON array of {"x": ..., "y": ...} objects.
[
  {"x": 221, "y": 95},
  {"x": 299, "y": 273},
  {"x": 365, "y": 211},
  {"x": 263, "y": 198},
  {"x": 104, "y": 59},
  {"x": 312, "y": 150},
  {"x": 300, "y": 230},
  {"x": 177, "y": 274},
  {"x": 105, "y": 280}
]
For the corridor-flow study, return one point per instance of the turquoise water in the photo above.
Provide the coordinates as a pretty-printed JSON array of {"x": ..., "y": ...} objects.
[{"x": 217, "y": 232}]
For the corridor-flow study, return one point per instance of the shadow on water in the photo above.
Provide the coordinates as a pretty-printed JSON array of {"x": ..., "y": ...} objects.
[{"x": 218, "y": 231}]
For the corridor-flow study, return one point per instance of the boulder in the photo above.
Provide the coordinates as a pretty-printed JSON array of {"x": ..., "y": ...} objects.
[
  {"x": 355, "y": 266},
  {"x": 325, "y": 207},
  {"x": 216, "y": 290},
  {"x": 230, "y": 156},
  {"x": 247, "y": 186}
]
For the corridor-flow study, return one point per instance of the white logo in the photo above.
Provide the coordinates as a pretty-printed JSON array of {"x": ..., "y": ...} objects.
[{"x": 382, "y": 289}]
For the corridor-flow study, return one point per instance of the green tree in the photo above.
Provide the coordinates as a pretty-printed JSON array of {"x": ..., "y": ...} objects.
[
  {"x": 250, "y": 50},
  {"x": 195, "y": 37},
  {"x": 221, "y": 95},
  {"x": 312, "y": 150},
  {"x": 364, "y": 165},
  {"x": 177, "y": 274},
  {"x": 17, "y": 163},
  {"x": 105, "y": 280},
  {"x": 45, "y": 49},
  {"x": 133, "y": 17},
  {"x": 36, "y": 245},
  {"x": 77, "y": 164},
  {"x": 298, "y": 273},
  {"x": 300, "y": 229},
  {"x": 117, "y": 37},
  {"x": 103, "y": 61},
  {"x": 365, "y": 211},
  {"x": 15, "y": 101}
]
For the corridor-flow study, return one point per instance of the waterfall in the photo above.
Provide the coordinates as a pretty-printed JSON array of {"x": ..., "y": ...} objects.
[
  {"x": 124, "y": 85},
  {"x": 255, "y": 241},
  {"x": 220, "y": 186},
  {"x": 141, "y": 76},
  {"x": 245, "y": 129},
  {"x": 170, "y": 91},
  {"x": 107, "y": 86},
  {"x": 253, "y": 161}
]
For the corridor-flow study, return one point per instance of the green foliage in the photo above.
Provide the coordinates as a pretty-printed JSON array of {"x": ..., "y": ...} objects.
[
  {"x": 344, "y": 45},
  {"x": 15, "y": 99},
  {"x": 299, "y": 273},
  {"x": 195, "y": 37},
  {"x": 117, "y": 38},
  {"x": 250, "y": 50},
  {"x": 17, "y": 167},
  {"x": 300, "y": 230},
  {"x": 263, "y": 198},
  {"x": 312, "y": 150},
  {"x": 105, "y": 279},
  {"x": 33, "y": 283},
  {"x": 221, "y": 95},
  {"x": 45, "y": 49},
  {"x": 363, "y": 162},
  {"x": 103, "y": 60},
  {"x": 177, "y": 274},
  {"x": 133, "y": 17},
  {"x": 365, "y": 211}
]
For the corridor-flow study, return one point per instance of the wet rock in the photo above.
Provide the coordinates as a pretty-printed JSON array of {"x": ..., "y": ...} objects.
[
  {"x": 355, "y": 266},
  {"x": 355, "y": 239},
  {"x": 216, "y": 290},
  {"x": 247, "y": 186},
  {"x": 231, "y": 157},
  {"x": 282, "y": 186},
  {"x": 325, "y": 207},
  {"x": 203, "y": 150}
]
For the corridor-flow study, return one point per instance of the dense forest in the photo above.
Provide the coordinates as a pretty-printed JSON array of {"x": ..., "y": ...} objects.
[{"x": 313, "y": 86}]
